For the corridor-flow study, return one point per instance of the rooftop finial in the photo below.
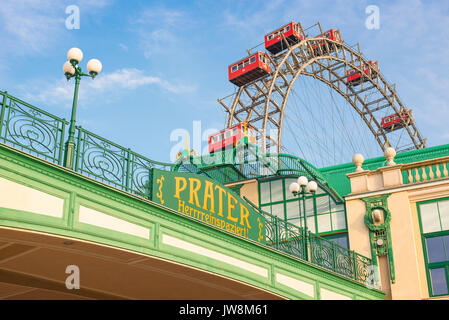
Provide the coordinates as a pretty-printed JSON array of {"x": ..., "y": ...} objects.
[
  {"x": 389, "y": 154},
  {"x": 357, "y": 160}
]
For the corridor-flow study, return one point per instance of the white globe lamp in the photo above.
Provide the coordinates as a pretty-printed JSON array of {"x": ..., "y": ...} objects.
[
  {"x": 68, "y": 69},
  {"x": 312, "y": 186},
  {"x": 302, "y": 181},
  {"x": 75, "y": 55},
  {"x": 94, "y": 67},
  {"x": 294, "y": 187}
]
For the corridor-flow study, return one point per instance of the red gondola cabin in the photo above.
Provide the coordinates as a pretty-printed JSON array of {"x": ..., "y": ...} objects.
[
  {"x": 274, "y": 41},
  {"x": 332, "y": 34},
  {"x": 229, "y": 138},
  {"x": 249, "y": 69},
  {"x": 393, "y": 121},
  {"x": 355, "y": 77}
]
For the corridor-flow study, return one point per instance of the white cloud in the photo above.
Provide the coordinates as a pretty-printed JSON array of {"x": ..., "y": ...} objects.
[
  {"x": 60, "y": 92},
  {"x": 30, "y": 25},
  {"x": 160, "y": 17},
  {"x": 123, "y": 46},
  {"x": 132, "y": 79},
  {"x": 157, "y": 28}
]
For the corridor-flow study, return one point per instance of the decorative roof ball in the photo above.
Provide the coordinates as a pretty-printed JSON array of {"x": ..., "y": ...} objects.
[
  {"x": 357, "y": 160},
  {"x": 389, "y": 154}
]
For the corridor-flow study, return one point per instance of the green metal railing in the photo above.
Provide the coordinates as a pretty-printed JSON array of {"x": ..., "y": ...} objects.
[
  {"x": 332, "y": 256},
  {"x": 295, "y": 241},
  {"x": 113, "y": 164},
  {"x": 37, "y": 132},
  {"x": 30, "y": 129}
]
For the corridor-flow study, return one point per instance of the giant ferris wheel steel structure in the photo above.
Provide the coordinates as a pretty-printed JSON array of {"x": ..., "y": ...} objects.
[{"x": 262, "y": 102}]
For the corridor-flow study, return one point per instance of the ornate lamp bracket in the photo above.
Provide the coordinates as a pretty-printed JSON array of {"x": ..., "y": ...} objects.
[{"x": 377, "y": 219}]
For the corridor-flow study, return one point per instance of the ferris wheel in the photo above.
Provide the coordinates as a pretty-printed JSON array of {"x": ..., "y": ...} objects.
[{"x": 359, "y": 98}]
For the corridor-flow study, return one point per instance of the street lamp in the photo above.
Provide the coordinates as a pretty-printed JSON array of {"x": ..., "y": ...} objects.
[
  {"x": 303, "y": 187},
  {"x": 72, "y": 69}
]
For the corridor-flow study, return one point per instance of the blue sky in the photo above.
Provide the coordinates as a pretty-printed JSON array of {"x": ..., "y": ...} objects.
[{"x": 165, "y": 62}]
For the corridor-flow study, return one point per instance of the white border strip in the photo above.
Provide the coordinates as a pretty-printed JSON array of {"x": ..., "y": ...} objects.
[
  {"x": 100, "y": 219},
  {"x": 295, "y": 284},
  {"x": 178, "y": 243},
  {"x": 331, "y": 295}
]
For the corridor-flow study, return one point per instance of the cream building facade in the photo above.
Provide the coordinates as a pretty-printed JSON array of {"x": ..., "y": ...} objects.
[
  {"x": 396, "y": 211},
  {"x": 419, "y": 225}
]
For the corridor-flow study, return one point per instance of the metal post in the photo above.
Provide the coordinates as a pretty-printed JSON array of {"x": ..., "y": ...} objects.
[
  {"x": 355, "y": 265},
  {"x": 304, "y": 206},
  {"x": 276, "y": 232},
  {"x": 128, "y": 166},
  {"x": 3, "y": 111},
  {"x": 70, "y": 144},
  {"x": 306, "y": 255}
]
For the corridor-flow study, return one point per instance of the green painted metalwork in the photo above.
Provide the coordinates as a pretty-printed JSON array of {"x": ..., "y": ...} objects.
[
  {"x": 294, "y": 241},
  {"x": 236, "y": 188},
  {"x": 70, "y": 144},
  {"x": 330, "y": 255},
  {"x": 37, "y": 132},
  {"x": 285, "y": 201},
  {"x": 113, "y": 164},
  {"x": 425, "y": 236},
  {"x": 28, "y": 128},
  {"x": 246, "y": 162},
  {"x": 380, "y": 236},
  {"x": 77, "y": 190}
]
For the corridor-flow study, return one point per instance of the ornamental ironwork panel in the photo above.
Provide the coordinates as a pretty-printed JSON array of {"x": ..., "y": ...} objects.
[
  {"x": 365, "y": 271},
  {"x": 285, "y": 236},
  {"x": 330, "y": 255},
  {"x": 293, "y": 240},
  {"x": 113, "y": 164},
  {"x": 101, "y": 159},
  {"x": 139, "y": 174},
  {"x": 30, "y": 129}
]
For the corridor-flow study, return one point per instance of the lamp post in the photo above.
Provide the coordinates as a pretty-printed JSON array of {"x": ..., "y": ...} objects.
[
  {"x": 304, "y": 187},
  {"x": 72, "y": 69}
]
